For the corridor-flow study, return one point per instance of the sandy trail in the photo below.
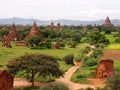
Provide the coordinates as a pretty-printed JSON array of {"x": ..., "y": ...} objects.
[{"x": 66, "y": 80}]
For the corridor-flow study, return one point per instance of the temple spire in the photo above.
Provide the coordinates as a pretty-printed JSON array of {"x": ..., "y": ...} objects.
[
  {"x": 34, "y": 32},
  {"x": 107, "y": 22}
]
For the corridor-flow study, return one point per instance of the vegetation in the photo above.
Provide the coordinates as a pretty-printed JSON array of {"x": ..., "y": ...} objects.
[
  {"x": 69, "y": 59},
  {"x": 55, "y": 86},
  {"x": 96, "y": 37},
  {"x": 113, "y": 82},
  {"x": 32, "y": 64}
]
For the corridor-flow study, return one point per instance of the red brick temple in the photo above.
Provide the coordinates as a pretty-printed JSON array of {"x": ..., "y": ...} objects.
[
  {"x": 107, "y": 22},
  {"x": 6, "y": 42},
  {"x": 94, "y": 27},
  {"x": 6, "y": 80},
  {"x": 13, "y": 35},
  {"x": 34, "y": 32},
  {"x": 105, "y": 69},
  {"x": 56, "y": 27}
]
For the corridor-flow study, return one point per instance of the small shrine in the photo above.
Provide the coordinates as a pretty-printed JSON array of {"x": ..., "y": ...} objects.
[
  {"x": 34, "y": 32},
  {"x": 105, "y": 69},
  {"x": 84, "y": 28},
  {"x": 6, "y": 42},
  {"x": 57, "y": 45},
  {"x": 107, "y": 22},
  {"x": 55, "y": 27},
  {"x": 13, "y": 35},
  {"x": 6, "y": 80},
  {"x": 94, "y": 27}
]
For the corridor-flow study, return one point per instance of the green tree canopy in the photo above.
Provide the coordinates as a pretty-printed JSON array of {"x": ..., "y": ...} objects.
[
  {"x": 96, "y": 37},
  {"x": 33, "y": 64}
]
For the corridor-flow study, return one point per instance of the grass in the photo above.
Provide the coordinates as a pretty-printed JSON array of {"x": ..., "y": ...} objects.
[
  {"x": 111, "y": 38},
  {"x": 7, "y": 54},
  {"x": 114, "y": 46},
  {"x": 81, "y": 75}
]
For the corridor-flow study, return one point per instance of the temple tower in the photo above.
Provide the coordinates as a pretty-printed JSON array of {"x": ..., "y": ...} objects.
[
  {"x": 107, "y": 22},
  {"x": 52, "y": 25},
  {"x": 13, "y": 35},
  {"x": 34, "y": 32},
  {"x": 94, "y": 27}
]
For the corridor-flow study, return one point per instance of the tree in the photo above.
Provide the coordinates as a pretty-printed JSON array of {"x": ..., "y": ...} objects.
[
  {"x": 96, "y": 37},
  {"x": 33, "y": 64},
  {"x": 34, "y": 41}
]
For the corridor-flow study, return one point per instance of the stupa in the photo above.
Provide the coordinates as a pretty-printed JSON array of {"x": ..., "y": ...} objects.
[
  {"x": 13, "y": 35},
  {"x": 34, "y": 32},
  {"x": 107, "y": 22}
]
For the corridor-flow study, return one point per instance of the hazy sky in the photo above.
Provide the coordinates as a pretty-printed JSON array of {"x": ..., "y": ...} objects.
[{"x": 60, "y": 9}]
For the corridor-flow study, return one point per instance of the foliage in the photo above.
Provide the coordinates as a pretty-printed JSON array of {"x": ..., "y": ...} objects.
[
  {"x": 32, "y": 64},
  {"x": 69, "y": 59},
  {"x": 55, "y": 86},
  {"x": 96, "y": 37},
  {"x": 34, "y": 41},
  {"x": 113, "y": 82},
  {"x": 47, "y": 44},
  {"x": 82, "y": 54},
  {"x": 117, "y": 40}
]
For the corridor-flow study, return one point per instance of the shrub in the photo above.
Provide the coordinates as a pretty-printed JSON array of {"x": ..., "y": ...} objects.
[
  {"x": 55, "y": 86},
  {"x": 62, "y": 44},
  {"x": 117, "y": 40},
  {"x": 91, "y": 61},
  {"x": 69, "y": 59}
]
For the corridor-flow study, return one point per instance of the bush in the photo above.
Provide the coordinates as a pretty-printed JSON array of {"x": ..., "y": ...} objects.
[
  {"x": 55, "y": 86},
  {"x": 113, "y": 82},
  {"x": 62, "y": 44},
  {"x": 117, "y": 40},
  {"x": 91, "y": 61},
  {"x": 69, "y": 59}
]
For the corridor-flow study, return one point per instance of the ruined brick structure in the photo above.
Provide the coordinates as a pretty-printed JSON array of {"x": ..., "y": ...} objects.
[
  {"x": 57, "y": 27},
  {"x": 13, "y": 35},
  {"x": 21, "y": 43},
  {"x": 84, "y": 28},
  {"x": 34, "y": 32},
  {"x": 6, "y": 42},
  {"x": 105, "y": 69},
  {"x": 107, "y": 22},
  {"x": 57, "y": 45},
  {"x": 6, "y": 80},
  {"x": 94, "y": 27}
]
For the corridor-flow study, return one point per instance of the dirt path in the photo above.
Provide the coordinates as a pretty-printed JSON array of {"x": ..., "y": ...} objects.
[{"x": 67, "y": 79}]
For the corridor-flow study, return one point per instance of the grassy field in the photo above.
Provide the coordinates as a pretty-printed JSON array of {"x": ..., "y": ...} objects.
[
  {"x": 113, "y": 46},
  {"x": 111, "y": 38},
  {"x": 7, "y": 54}
]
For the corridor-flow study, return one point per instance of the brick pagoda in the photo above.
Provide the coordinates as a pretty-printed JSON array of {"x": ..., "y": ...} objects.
[
  {"x": 13, "y": 35},
  {"x": 34, "y": 32},
  {"x": 107, "y": 22}
]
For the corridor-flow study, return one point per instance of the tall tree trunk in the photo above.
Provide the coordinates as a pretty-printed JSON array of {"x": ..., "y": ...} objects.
[{"x": 33, "y": 78}]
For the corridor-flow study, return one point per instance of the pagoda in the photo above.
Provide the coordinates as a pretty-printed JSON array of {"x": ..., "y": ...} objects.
[
  {"x": 52, "y": 25},
  {"x": 94, "y": 27},
  {"x": 13, "y": 35},
  {"x": 107, "y": 22},
  {"x": 34, "y": 32}
]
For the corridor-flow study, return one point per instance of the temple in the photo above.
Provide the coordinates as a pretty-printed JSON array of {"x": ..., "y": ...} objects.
[
  {"x": 56, "y": 27},
  {"x": 34, "y": 32},
  {"x": 104, "y": 69},
  {"x": 13, "y": 35},
  {"x": 94, "y": 27},
  {"x": 52, "y": 25},
  {"x": 6, "y": 42},
  {"x": 107, "y": 22}
]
